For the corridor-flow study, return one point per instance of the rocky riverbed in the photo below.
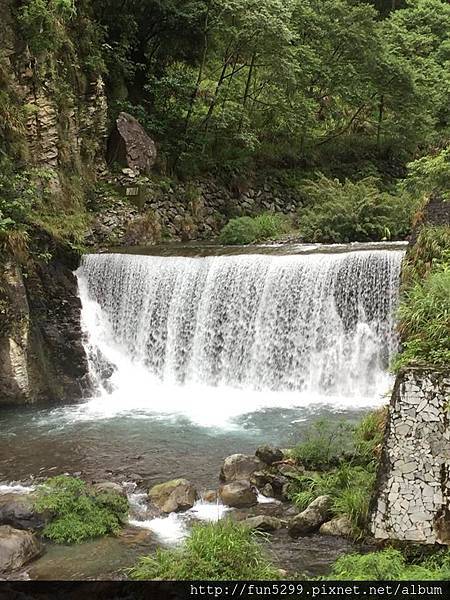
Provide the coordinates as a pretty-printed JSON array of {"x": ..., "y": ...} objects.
[{"x": 252, "y": 489}]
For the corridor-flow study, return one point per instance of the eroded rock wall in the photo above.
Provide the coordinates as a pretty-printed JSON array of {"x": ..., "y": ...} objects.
[
  {"x": 413, "y": 489},
  {"x": 41, "y": 352}
]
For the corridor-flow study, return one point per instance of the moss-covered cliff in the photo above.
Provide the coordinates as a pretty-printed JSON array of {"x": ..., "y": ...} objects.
[{"x": 52, "y": 142}]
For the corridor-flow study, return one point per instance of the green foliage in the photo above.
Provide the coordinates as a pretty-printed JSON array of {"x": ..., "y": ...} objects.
[
  {"x": 368, "y": 436},
  {"x": 42, "y": 23},
  {"x": 246, "y": 230},
  {"x": 424, "y": 312},
  {"x": 78, "y": 512},
  {"x": 430, "y": 253},
  {"x": 346, "y": 457},
  {"x": 352, "y": 211},
  {"x": 388, "y": 565},
  {"x": 350, "y": 488},
  {"x": 430, "y": 173},
  {"x": 214, "y": 551},
  {"x": 425, "y": 322},
  {"x": 325, "y": 444}
]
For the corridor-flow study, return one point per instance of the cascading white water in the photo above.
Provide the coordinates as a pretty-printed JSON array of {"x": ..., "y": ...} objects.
[{"x": 284, "y": 330}]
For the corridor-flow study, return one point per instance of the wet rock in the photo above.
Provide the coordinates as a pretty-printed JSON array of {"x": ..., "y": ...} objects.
[
  {"x": 269, "y": 454},
  {"x": 341, "y": 526},
  {"x": 17, "y": 548},
  {"x": 262, "y": 478},
  {"x": 239, "y": 467},
  {"x": 173, "y": 496},
  {"x": 209, "y": 496},
  {"x": 238, "y": 494},
  {"x": 129, "y": 145},
  {"x": 291, "y": 470},
  {"x": 311, "y": 518},
  {"x": 19, "y": 512},
  {"x": 110, "y": 487},
  {"x": 267, "y": 491},
  {"x": 263, "y": 523}
]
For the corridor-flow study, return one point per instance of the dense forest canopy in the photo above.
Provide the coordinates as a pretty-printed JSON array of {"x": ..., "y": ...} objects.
[
  {"x": 355, "y": 90},
  {"x": 281, "y": 80}
]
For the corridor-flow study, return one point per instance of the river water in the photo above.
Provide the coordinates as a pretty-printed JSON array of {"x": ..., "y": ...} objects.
[{"x": 197, "y": 353}]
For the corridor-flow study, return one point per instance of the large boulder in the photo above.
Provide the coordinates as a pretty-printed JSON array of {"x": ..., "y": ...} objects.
[
  {"x": 130, "y": 146},
  {"x": 173, "y": 496},
  {"x": 339, "y": 526},
  {"x": 17, "y": 548},
  {"x": 238, "y": 494},
  {"x": 269, "y": 454},
  {"x": 263, "y": 523},
  {"x": 311, "y": 518},
  {"x": 239, "y": 467},
  {"x": 19, "y": 512}
]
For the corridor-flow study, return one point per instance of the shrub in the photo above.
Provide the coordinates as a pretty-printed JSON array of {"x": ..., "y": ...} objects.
[
  {"x": 425, "y": 322},
  {"x": 214, "y": 551},
  {"x": 353, "y": 212},
  {"x": 246, "y": 230},
  {"x": 431, "y": 252},
  {"x": 78, "y": 512},
  {"x": 389, "y": 565},
  {"x": 354, "y": 450},
  {"x": 271, "y": 225},
  {"x": 324, "y": 445},
  {"x": 430, "y": 173},
  {"x": 241, "y": 230},
  {"x": 368, "y": 436},
  {"x": 350, "y": 488}
]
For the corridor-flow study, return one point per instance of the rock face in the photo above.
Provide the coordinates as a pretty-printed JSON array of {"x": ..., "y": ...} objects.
[
  {"x": 110, "y": 487},
  {"x": 263, "y": 523},
  {"x": 130, "y": 146},
  {"x": 16, "y": 548},
  {"x": 339, "y": 526},
  {"x": 41, "y": 351},
  {"x": 412, "y": 497},
  {"x": 239, "y": 467},
  {"x": 238, "y": 494},
  {"x": 269, "y": 454},
  {"x": 311, "y": 518},
  {"x": 173, "y": 496},
  {"x": 17, "y": 511}
]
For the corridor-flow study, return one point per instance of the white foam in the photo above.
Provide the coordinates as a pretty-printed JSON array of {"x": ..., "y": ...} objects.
[
  {"x": 16, "y": 488},
  {"x": 208, "y": 511},
  {"x": 170, "y": 530},
  {"x": 266, "y": 500}
]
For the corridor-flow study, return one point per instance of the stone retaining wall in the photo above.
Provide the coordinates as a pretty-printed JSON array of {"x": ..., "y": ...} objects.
[
  {"x": 413, "y": 488},
  {"x": 142, "y": 211}
]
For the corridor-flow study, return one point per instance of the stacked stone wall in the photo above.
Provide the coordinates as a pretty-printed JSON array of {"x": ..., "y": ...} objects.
[{"x": 412, "y": 500}]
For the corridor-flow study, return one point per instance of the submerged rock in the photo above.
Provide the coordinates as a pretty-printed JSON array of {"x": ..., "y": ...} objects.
[
  {"x": 269, "y": 454},
  {"x": 238, "y": 494},
  {"x": 17, "y": 548},
  {"x": 110, "y": 487},
  {"x": 238, "y": 467},
  {"x": 338, "y": 526},
  {"x": 263, "y": 523},
  {"x": 173, "y": 496},
  {"x": 311, "y": 518}
]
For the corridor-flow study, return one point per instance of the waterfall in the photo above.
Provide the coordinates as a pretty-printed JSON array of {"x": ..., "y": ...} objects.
[{"x": 315, "y": 327}]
